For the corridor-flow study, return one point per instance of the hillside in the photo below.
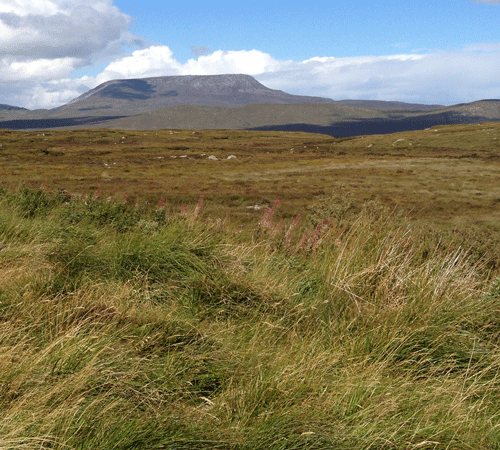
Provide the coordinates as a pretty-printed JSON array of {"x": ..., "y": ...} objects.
[
  {"x": 331, "y": 119},
  {"x": 237, "y": 102},
  {"x": 135, "y": 96},
  {"x": 11, "y": 108}
]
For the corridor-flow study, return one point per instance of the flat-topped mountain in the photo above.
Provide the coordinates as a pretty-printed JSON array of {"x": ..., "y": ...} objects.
[
  {"x": 136, "y": 96},
  {"x": 237, "y": 102}
]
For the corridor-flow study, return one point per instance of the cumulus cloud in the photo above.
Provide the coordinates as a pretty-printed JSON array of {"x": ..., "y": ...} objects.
[
  {"x": 159, "y": 61},
  {"x": 58, "y": 28},
  {"x": 43, "y": 40},
  {"x": 41, "y": 76},
  {"x": 467, "y": 74}
]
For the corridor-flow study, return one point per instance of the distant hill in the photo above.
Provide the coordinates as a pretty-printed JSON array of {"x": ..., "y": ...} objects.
[
  {"x": 11, "y": 108},
  {"x": 237, "y": 102},
  {"x": 388, "y": 105},
  {"x": 136, "y": 96},
  {"x": 333, "y": 119}
]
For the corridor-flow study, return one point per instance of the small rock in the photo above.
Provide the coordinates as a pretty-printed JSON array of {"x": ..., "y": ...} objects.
[
  {"x": 231, "y": 157},
  {"x": 213, "y": 158}
]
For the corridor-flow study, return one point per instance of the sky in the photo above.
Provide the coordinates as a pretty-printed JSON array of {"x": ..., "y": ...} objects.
[{"x": 435, "y": 52}]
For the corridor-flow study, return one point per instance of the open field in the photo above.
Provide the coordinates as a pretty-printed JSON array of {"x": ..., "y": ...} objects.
[
  {"x": 124, "y": 326},
  {"x": 444, "y": 177},
  {"x": 136, "y": 314}
]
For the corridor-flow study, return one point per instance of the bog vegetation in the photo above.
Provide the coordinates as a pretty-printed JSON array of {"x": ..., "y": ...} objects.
[{"x": 149, "y": 324}]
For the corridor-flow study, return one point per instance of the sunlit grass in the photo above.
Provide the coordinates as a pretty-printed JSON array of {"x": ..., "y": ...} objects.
[{"x": 347, "y": 329}]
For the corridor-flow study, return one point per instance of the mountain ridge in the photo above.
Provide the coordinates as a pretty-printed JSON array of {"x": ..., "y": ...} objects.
[
  {"x": 236, "y": 101},
  {"x": 139, "y": 95}
]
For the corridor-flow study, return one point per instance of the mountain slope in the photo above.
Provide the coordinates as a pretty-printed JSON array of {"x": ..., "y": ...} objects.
[
  {"x": 333, "y": 119},
  {"x": 136, "y": 96},
  {"x": 11, "y": 108},
  {"x": 237, "y": 102}
]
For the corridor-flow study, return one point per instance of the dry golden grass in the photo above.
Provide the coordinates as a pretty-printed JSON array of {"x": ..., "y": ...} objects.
[
  {"x": 118, "y": 333},
  {"x": 446, "y": 177}
]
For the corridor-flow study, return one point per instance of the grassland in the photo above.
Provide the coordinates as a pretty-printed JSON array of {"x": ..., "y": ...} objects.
[
  {"x": 128, "y": 321},
  {"x": 446, "y": 177}
]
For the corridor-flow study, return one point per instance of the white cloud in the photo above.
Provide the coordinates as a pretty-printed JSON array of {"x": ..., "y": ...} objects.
[
  {"x": 464, "y": 75},
  {"x": 39, "y": 69},
  {"x": 150, "y": 62},
  {"x": 446, "y": 77},
  {"x": 158, "y": 61},
  {"x": 58, "y": 28},
  {"x": 250, "y": 62},
  {"x": 49, "y": 39}
]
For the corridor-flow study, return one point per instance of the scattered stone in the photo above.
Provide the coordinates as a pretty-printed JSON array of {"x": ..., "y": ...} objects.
[
  {"x": 213, "y": 158},
  {"x": 231, "y": 157}
]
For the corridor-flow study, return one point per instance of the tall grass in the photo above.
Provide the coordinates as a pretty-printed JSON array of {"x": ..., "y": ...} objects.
[{"x": 187, "y": 333}]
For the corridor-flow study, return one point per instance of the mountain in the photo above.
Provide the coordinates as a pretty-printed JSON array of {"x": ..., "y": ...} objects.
[
  {"x": 333, "y": 119},
  {"x": 136, "y": 96},
  {"x": 6, "y": 111},
  {"x": 237, "y": 102},
  {"x": 11, "y": 108}
]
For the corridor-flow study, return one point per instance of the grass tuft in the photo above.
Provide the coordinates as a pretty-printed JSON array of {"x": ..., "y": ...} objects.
[{"x": 122, "y": 329}]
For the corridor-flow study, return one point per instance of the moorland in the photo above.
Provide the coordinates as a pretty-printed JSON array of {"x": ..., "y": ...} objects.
[{"x": 236, "y": 289}]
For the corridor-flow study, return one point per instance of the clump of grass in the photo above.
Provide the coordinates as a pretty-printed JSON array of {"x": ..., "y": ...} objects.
[{"x": 190, "y": 334}]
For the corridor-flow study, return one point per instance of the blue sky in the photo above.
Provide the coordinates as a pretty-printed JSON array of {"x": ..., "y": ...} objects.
[
  {"x": 443, "y": 51},
  {"x": 300, "y": 31}
]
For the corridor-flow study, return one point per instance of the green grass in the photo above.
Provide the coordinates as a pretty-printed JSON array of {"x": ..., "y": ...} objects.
[
  {"x": 350, "y": 328},
  {"x": 444, "y": 178}
]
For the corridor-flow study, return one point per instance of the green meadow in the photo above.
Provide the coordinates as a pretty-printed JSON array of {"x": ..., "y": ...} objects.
[{"x": 310, "y": 293}]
